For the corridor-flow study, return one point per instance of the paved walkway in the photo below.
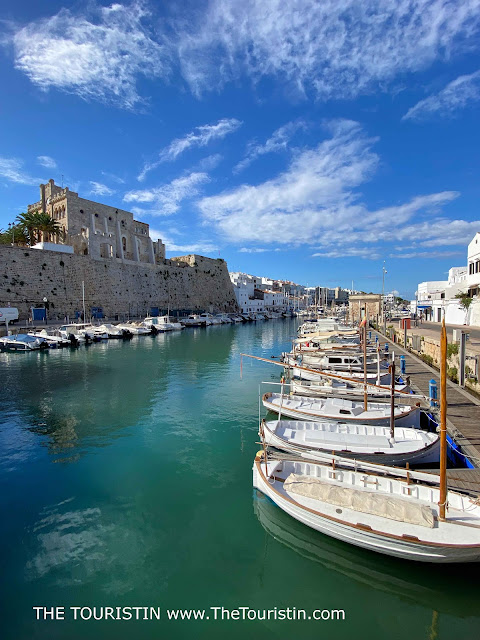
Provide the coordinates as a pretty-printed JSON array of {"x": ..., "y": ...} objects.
[
  {"x": 432, "y": 330},
  {"x": 463, "y": 412}
]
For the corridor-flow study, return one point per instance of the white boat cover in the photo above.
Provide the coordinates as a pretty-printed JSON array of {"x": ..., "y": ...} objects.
[{"x": 364, "y": 501}]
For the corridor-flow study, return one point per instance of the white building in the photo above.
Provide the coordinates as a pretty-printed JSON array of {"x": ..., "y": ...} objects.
[
  {"x": 275, "y": 300},
  {"x": 437, "y": 298},
  {"x": 473, "y": 276}
]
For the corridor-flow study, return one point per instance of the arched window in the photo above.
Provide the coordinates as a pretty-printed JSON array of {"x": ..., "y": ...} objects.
[{"x": 124, "y": 243}]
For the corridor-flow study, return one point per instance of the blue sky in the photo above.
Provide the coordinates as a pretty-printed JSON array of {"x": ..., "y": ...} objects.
[{"x": 302, "y": 140}]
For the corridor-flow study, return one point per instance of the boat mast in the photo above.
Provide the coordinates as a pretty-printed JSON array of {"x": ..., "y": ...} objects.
[
  {"x": 365, "y": 393},
  {"x": 392, "y": 401},
  {"x": 83, "y": 300},
  {"x": 443, "y": 422}
]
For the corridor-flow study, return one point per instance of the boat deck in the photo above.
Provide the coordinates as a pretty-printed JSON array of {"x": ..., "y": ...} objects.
[{"x": 463, "y": 415}]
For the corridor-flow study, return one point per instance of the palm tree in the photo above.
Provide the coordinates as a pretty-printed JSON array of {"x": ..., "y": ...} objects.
[
  {"x": 27, "y": 222},
  {"x": 15, "y": 234},
  {"x": 39, "y": 222},
  {"x": 47, "y": 226}
]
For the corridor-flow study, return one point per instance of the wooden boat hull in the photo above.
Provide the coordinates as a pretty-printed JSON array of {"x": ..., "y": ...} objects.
[
  {"x": 354, "y": 375},
  {"x": 409, "y": 418},
  {"x": 426, "y": 455},
  {"x": 360, "y": 535}
]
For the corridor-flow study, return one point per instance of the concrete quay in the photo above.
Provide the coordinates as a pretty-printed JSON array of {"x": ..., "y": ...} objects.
[{"x": 463, "y": 414}]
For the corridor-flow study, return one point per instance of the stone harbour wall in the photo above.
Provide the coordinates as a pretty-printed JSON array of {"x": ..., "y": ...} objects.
[{"x": 120, "y": 287}]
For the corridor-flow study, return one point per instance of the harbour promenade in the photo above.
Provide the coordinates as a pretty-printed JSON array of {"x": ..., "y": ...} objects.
[
  {"x": 432, "y": 330},
  {"x": 463, "y": 414}
]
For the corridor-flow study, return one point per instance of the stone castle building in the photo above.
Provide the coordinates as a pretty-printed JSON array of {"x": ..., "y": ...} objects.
[
  {"x": 96, "y": 229},
  {"x": 109, "y": 258}
]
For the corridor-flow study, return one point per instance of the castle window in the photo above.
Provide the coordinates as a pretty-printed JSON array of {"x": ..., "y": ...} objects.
[
  {"x": 81, "y": 210},
  {"x": 109, "y": 217},
  {"x": 124, "y": 243},
  {"x": 96, "y": 215}
]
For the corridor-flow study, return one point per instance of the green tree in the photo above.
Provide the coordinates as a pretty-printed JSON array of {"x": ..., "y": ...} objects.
[
  {"x": 465, "y": 300},
  {"x": 35, "y": 225},
  {"x": 15, "y": 234}
]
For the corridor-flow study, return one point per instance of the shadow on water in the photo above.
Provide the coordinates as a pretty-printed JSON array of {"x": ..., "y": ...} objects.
[{"x": 418, "y": 583}]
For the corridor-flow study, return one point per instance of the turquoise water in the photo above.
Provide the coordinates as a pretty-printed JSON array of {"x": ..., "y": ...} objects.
[{"x": 125, "y": 475}]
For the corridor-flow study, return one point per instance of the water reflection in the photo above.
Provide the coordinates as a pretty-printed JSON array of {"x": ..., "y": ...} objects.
[
  {"x": 107, "y": 545},
  {"x": 423, "y": 584}
]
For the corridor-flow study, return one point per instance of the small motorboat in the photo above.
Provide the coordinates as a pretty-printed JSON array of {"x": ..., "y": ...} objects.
[
  {"x": 137, "y": 329},
  {"x": 194, "y": 320},
  {"x": 53, "y": 340},
  {"x": 160, "y": 324},
  {"x": 23, "y": 342},
  {"x": 114, "y": 331}
]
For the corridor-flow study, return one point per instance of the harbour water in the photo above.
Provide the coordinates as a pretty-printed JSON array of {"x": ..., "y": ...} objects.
[{"x": 125, "y": 474}]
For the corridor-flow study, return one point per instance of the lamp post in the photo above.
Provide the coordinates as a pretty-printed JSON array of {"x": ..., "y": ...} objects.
[
  {"x": 384, "y": 271},
  {"x": 45, "y": 302},
  {"x": 11, "y": 227}
]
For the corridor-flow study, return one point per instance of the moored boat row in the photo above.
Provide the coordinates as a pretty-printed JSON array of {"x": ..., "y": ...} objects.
[{"x": 336, "y": 467}]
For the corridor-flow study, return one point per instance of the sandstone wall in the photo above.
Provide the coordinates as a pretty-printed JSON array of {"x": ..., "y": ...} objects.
[{"x": 190, "y": 283}]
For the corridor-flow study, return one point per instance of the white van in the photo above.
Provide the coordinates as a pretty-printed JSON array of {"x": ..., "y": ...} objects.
[{"x": 8, "y": 314}]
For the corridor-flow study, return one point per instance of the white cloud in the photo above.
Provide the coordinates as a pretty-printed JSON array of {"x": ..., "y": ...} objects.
[
  {"x": 47, "y": 161},
  {"x": 454, "y": 97},
  {"x": 97, "y": 57},
  {"x": 335, "y": 49},
  {"x": 210, "y": 162},
  {"x": 316, "y": 202},
  {"x": 315, "y": 193},
  {"x": 277, "y": 142},
  {"x": 113, "y": 177},
  {"x": 429, "y": 255},
  {"x": 99, "y": 189},
  {"x": 370, "y": 253},
  {"x": 200, "y": 137},
  {"x": 165, "y": 200},
  {"x": 201, "y": 247},
  {"x": 12, "y": 170},
  {"x": 253, "y": 250}
]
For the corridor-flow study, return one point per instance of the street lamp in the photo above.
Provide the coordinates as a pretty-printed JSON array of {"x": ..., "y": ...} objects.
[
  {"x": 384, "y": 271},
  {"x": 11, "y": 227},
  {"x": 45, "y": 302}
]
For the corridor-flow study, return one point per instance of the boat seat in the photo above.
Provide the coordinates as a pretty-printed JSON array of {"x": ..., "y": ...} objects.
[
  {"x": 377, "y": 504},
  {"x": 328, "y": 437}
]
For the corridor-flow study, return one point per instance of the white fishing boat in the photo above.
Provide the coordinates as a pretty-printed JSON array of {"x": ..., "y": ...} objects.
[
  {"x": 341, "y": 410},
  {"x": 353, "y": 440},
  {"x": 374, "y": 510},
  {"x": 328, "y": 387},
  {"x": 347, "y": 562},
  {"x": 323, "y": 339},
  {"x": 308, "y": 373},
  {"x": 334, "y": 361}
]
